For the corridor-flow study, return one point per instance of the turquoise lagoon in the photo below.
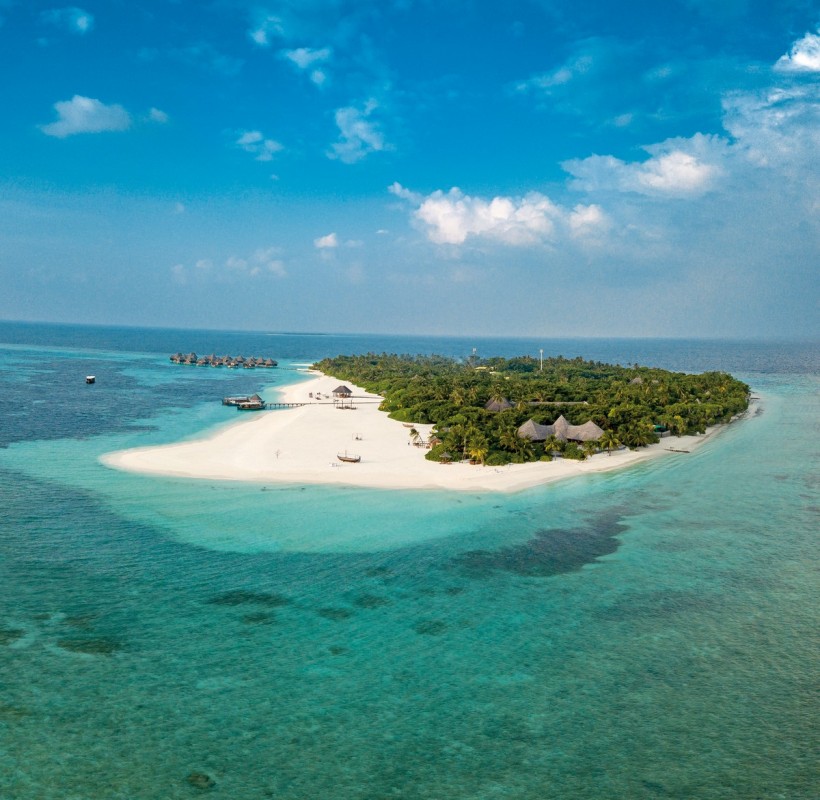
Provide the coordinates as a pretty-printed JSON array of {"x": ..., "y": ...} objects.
[{"x": 649, "y": 633}]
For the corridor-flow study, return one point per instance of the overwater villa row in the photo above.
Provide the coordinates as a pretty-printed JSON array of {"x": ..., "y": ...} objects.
[{"x": 223, "y": 361}]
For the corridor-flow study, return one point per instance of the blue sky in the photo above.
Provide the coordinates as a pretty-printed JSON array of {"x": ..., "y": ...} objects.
[{"x": 537, "y": 167}]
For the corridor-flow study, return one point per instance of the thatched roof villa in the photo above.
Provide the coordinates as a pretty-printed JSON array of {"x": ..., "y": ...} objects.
[
  {"x": 561, "y": 430},
  {"x": 342, "y": 391}
]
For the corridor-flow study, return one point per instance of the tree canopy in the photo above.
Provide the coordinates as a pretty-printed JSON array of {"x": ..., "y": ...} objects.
[{"x": 633, "y": 404}]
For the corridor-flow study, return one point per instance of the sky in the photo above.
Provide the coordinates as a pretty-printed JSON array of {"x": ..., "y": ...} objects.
[{"x": 465, "y": 167}]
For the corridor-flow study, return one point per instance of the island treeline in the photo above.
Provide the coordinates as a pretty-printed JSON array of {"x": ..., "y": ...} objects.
[{"x": 478, "y": 405}]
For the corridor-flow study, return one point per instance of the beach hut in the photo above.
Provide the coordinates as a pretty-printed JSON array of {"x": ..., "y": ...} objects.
[
  {"x": 342, "y": 392},
  {"x": 445, "y": 458}
]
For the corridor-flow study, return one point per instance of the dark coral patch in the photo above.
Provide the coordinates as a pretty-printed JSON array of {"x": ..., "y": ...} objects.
[
  {"x": 199, "y": 780},
  {"x": 82, "y": 622},
  {"x": 10, "y": 635},
  {"x": 99, "y": 646},
  {"x": 238, "y": 597},
  {"x": 371, "y": 601},
  {"x": 259, "y": 618},
  {"x": 431, "y": 627},
  {"x": 335, "y": 613},
  {"x": 550, "y": 552},
  {"x": 337, "y": 650},
  {"x": 377, "y": 572}
]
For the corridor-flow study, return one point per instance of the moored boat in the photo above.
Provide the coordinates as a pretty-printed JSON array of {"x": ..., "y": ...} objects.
[{"x": 348, "y": 458}]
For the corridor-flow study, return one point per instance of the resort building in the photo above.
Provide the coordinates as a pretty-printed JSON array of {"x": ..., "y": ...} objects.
[{"x": 561, "y": 430}]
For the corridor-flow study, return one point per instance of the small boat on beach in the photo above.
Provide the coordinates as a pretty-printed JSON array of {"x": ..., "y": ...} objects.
[{"x": 349, "y": 459}]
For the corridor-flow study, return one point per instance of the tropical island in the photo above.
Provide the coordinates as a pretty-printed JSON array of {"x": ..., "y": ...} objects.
[
  {"x": 477, "y": 425},
  {"x": 500, "y": 411}
]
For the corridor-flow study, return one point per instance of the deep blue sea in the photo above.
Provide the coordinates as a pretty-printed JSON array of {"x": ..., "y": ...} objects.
[{"x": 648, "y": 633}]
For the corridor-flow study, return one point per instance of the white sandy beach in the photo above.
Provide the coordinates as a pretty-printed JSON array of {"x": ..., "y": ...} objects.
[{"x": 301, "y": 445}]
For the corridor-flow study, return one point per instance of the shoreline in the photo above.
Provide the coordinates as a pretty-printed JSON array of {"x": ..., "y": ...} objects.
[{"x": 301, "y": 446}]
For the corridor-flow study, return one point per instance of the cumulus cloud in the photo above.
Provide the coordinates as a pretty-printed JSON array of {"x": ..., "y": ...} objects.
[
  {"x": 359, "y": 134},
  {"x": 155, "y": 115},
  {"x": 262, "y": 261},
  {"x": 778, "y": 128},
  {"x": 255, "y": 143},
  {"x": 309, "y": 60},
  {"x": 675, "y": 168},
  {"x": 265, "y": 28},
  {"x": 803, "y": 57},
  {"x": 72, "y": 19},
  {"x": 326, "y": 242},
  {"x": 454, "y": 217},
  {"x": 86, "y": 115}
]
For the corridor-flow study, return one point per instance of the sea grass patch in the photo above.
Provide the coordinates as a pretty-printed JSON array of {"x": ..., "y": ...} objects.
[
  {"x": 430, "y": 627},
  {"x": 10, "y": 635},
  {"x": 371, "y": 601},
  {"x": 238, "y": 597},
  {"x": 551, "y": 551},
  {"x": 97, "y": 646},
  {"x": 335, "y": 613}
]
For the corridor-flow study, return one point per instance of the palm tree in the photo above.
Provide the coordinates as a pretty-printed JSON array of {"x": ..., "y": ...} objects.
[
  {"x": 415, "y": 435},
  {"x": 478, "y": 447},
  {"x": 590, "y": 448},
  {"x": 552, "y": 444},
  {"x": 509, "y": 439},
  {"x": 609, "y": 441}
]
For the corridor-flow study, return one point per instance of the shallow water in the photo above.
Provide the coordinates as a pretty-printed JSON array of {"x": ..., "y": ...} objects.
[{"x": 641, "y": 634}]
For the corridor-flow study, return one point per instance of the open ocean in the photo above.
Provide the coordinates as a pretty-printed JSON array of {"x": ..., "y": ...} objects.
[{"x": 648, "y": 633}]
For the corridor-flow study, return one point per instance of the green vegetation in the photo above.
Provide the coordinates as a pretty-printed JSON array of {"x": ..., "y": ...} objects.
[{"x": 633, "y": 405}]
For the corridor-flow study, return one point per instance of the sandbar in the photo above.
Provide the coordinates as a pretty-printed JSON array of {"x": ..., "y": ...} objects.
[{"x": 301, "y": 445}]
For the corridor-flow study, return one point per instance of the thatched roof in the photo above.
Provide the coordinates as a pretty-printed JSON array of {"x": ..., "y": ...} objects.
[
  {"x": 342, "y": 391},
  {"x": 498, "y": 405},
  {"x": 533, "y": 431},
  {"x": 588, "y": 432},
  {"x": 561, "y": 430}
]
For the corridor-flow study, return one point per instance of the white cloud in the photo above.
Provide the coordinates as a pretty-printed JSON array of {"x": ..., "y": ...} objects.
[
  {"x": 306, "y": 57},
  {"x": 86, "y": 115},
  {"x": 676, "y": 168},
  {"x": 72, "y": 19},
  {"x": 359, "y": 135},
  {"x": 544, "y": 82},
  {"x": 255, "y": 143},
  {"x": 266, "y": 27},
  {"x": 326, "y": 242},
  {"x": 803, "y": 57},
  {"x": 588, "y": 221},
  {"x": 155, "y": 115},
  {"x": 777, "y": 128},
  {"x": 308, "y": 60},
  {"x": 261, "y": 262},
  {"x": 265, "y": 260},
  {"x": 453, "y": 217}
]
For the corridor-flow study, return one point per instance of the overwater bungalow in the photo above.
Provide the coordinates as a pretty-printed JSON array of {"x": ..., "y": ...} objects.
[{"x": 253, "y": 403}]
